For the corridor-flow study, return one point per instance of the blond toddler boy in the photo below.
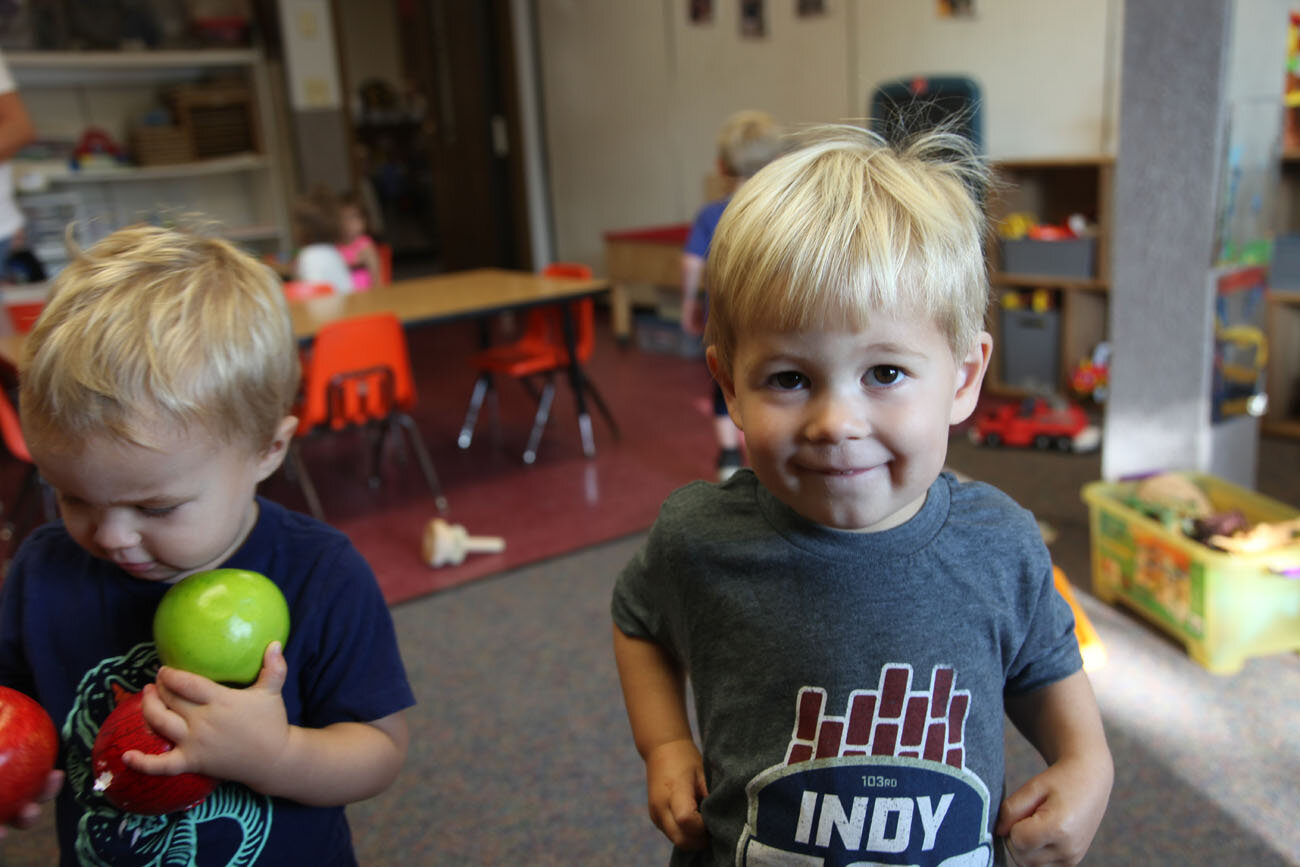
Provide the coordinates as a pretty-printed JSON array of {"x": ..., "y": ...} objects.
[
  {"x": 852, "y": 621},
  {"x": 156, "y": 393}
]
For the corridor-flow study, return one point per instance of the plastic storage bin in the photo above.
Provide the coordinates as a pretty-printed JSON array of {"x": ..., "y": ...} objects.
[
  {"x": 1069, "y": 257},
  {"x": 1031, "y": 352},
  {"x": 1224, "y": 608},
  {"x": 663, "y": 336}
]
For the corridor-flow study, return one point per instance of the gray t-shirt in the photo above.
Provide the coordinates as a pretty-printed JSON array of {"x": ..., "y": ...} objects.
[{"x": 849, "y": 686}]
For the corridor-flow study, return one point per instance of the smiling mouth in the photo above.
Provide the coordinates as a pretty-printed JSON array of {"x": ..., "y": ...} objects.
[{"x": 839, "y": 472}]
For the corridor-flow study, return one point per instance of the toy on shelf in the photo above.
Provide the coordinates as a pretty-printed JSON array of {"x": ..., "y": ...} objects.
[
  {"x": 448, "y": 544},
  {"x": 1041, "y": 422},
  {"x": 1091, "y": 376},
  {"x": 96, "y": 149}
]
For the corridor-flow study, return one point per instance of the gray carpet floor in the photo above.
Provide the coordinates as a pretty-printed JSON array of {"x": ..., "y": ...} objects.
[{"x": 521, "y": 754}]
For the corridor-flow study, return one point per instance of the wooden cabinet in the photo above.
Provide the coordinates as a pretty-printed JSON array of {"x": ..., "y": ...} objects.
[
  {"x": 240, "y": 194},
  {"x": 1052, "y": 189}
]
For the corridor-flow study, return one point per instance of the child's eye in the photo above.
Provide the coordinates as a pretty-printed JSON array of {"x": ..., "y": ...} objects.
[
  {"x": 788, "y": 380},
  {"x": 884, "y": 374},
  {"x": 156, "y": 511}
]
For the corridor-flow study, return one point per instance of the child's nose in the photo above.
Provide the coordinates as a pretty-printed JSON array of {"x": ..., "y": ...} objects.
[
  {"x": 115, "y": 530},
  {"x": 834, "y": 420}
]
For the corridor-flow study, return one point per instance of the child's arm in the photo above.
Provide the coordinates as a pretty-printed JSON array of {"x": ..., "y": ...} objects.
[
  {"x": 654, "y": 692},
  {"x": 370, "y": 259},
  {"x": 692, "y": 271},
  {"x": 1052, "y": 818},
  {"x": 244, "y": 735}
]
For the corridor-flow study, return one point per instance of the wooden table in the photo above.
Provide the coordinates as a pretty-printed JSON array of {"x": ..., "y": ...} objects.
[
  {"x": 438, "y": 298},
  {"x": 641, "y": 257}
]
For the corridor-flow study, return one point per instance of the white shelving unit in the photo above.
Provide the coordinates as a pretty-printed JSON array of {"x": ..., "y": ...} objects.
[{"x": 243, "y": 196}]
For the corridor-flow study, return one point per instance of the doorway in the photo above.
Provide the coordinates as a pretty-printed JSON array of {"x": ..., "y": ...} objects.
[{"x": 436, "y": 140}]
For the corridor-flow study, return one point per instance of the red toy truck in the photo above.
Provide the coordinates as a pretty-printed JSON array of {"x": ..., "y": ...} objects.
[{"x": 1041, "y": 422}]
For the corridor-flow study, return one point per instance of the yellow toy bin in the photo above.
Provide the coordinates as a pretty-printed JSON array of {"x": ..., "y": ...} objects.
[{"x": 1225, "y": 608}]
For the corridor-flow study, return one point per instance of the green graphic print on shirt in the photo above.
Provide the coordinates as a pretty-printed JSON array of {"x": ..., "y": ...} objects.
[{"x": 108, "y": 836}]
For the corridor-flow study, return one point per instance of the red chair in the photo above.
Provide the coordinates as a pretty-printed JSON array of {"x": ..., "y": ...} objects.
[
  {"x": 23, "y": 315},
  {"x": 359, "y": 376},
  {"x": 385, "y": 252},
  {"x": 12, "y": 434},
  {"x": 540, "y": 352}
]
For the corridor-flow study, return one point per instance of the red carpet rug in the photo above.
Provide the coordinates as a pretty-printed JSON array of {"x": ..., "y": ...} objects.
[{"x": 561, "y": 503}]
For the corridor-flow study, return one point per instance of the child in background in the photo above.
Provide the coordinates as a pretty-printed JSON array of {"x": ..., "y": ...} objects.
[
  {"x": 154, "y": 433},
  {"x": 853, "y": 621},
  {"x": 357, "y": 247},
  {"x": 318, "y": 228},
  {"x": 747, "y": 142}
]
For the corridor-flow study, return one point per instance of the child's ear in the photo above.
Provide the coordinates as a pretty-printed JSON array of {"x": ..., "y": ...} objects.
[
  {"x": 726, "y": 383},
  {"x": 273, "y": 455},
  {"x": 970, "y": 375}
]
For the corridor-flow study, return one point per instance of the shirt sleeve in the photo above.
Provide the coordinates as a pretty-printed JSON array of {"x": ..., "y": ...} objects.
[
  {"x": 355, "y": 673},
  {"x": 1050, "y": 651},
  {"x": 701, "y": 236}
]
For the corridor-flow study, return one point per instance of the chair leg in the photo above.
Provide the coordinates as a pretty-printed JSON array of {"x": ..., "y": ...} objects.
[
  {"x": 304, "y": 481},
  {"x": 426, "y": 463},
  {"x": 482, "y": 386},
  {"x": 600, "y": 405},
  {"x": 539, "y": 420},
  {"x": 379, "y": 434}
]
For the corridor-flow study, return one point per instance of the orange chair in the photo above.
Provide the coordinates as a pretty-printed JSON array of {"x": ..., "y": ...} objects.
[
  {"x": 24, "y": 315},
  {"x": 12, "y": 434},
  {"x": 359, "y": 376},
  {"x": 300, "y": 290},
  {"x": 541, "y": 352}
]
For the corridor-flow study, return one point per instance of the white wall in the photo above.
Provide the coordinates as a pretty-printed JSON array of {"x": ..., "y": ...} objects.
[{"x": 633, "y": 93}]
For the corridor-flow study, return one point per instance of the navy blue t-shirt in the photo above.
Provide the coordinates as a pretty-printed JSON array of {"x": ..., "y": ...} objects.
[{"x": 76, "y": 630}]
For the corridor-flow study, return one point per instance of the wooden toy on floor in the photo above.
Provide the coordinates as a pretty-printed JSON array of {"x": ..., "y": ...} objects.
[
  {"x": 447, "y": 544},
  {"x": 1090, "y": 646}
]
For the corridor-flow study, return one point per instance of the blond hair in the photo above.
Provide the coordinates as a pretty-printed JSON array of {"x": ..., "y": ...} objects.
[
  {"x": 153, "y": 326},
  {"x": 748, "y": 140},
  {"x": 846, "y": 225}
]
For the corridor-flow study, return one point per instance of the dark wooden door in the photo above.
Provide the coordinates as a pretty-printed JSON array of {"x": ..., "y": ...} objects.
[{"x": 459, "y": 54}]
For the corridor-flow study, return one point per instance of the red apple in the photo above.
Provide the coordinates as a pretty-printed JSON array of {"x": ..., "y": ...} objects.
[
  {"x": 28, "y": 748},
  {"x": 129, "y": 790}
]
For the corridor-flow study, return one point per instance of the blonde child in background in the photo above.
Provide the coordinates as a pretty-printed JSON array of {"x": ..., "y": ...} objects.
[
  {"x": 853, "y": 621},
  {"x": 747, "y": 141},
  {"x": 156, "y": 393},
  {"x": 357, "y": 247},
  {"x": 318, "y": 229}
]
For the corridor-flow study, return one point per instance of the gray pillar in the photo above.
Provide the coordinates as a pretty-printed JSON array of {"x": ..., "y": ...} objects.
[{"x": 1180, "y": 80}]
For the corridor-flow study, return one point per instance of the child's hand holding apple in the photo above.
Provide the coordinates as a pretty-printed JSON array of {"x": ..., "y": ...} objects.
[{"x": 215, "y": 710}]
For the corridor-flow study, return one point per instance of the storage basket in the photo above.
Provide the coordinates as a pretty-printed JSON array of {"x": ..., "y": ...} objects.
[
  {"x": 161, "y": 145},
  {"x": 1223, "y": 607},
  {"x": 220, "y": 118}
]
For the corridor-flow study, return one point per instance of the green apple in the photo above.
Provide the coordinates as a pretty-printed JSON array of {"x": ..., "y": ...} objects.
[{"x": 218, "y": 624}]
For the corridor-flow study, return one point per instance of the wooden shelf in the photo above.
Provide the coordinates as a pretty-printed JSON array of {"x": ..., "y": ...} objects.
[
  {"x": 114, "y": 68},
  {"x": 1048, "y": 281},
  {"x": 1051, "y": 189},
  {"x": 216, "y": 166}
]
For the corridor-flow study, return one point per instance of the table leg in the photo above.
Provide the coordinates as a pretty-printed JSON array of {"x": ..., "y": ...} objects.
[{"x": 620, "y": 304}]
